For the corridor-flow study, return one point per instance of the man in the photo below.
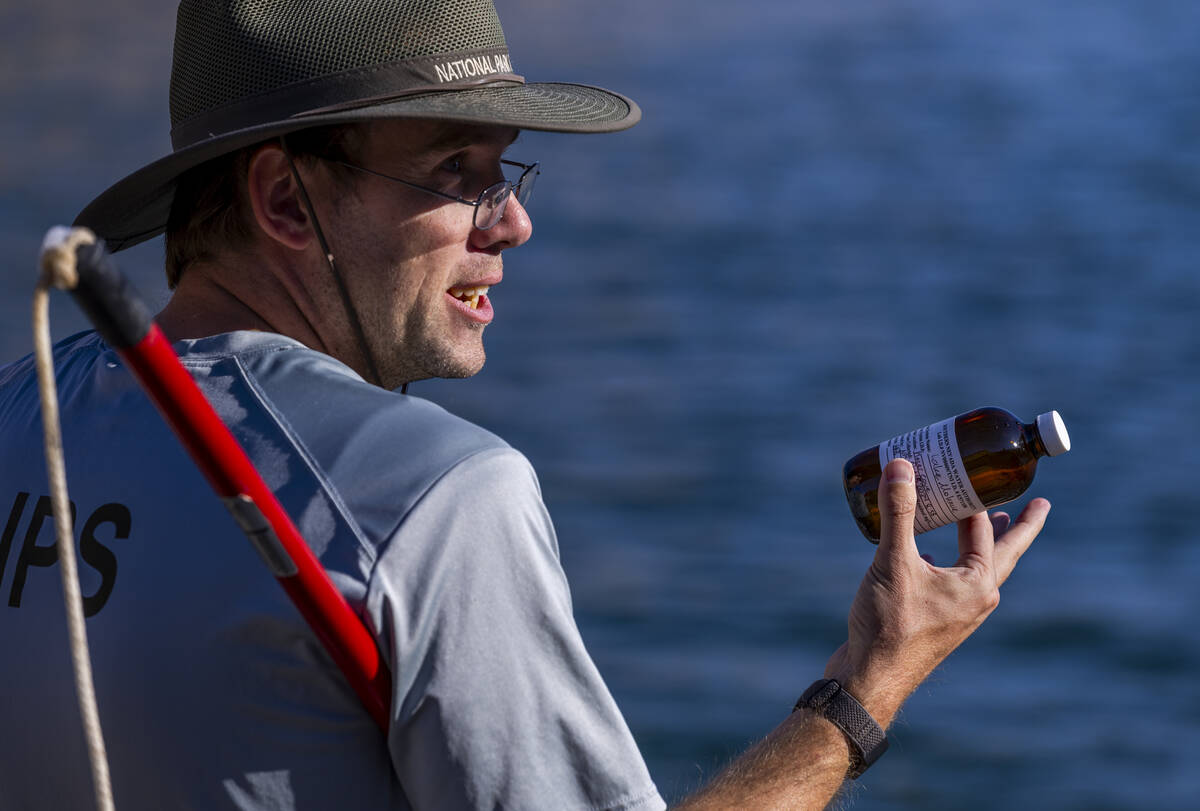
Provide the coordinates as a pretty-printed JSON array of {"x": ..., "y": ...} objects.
[{"x": 337, "y": 212}]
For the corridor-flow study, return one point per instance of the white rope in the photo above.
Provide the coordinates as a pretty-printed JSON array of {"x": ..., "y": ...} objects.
[{"x": 58, "y": 270}]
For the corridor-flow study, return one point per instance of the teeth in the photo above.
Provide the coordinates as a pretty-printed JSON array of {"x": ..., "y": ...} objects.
[{"x": 469, "y": 295}]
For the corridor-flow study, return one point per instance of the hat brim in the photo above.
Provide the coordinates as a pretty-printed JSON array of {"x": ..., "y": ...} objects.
[{"x": 136, "y": 208}]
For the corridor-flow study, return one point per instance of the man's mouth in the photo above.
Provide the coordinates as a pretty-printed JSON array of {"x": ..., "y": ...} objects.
[{"x": 468, "y": 295}]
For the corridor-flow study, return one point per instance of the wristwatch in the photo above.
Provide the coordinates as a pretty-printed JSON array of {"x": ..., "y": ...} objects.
[{"x": 867, "y": 741}]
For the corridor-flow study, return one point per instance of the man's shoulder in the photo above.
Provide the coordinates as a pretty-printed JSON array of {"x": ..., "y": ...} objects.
[
  {"x": 320, "y": 395},
  {"x": 75, "y": 358},
  {"x": 379, "y": 450},
  {"x": 86, "y": 343}
]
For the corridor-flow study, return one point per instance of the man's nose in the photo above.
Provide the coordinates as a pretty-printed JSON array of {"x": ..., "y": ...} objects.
[{"x": 512, "y": 229}]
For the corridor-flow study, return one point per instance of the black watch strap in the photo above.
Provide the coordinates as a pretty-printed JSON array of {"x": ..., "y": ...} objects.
[{"x": 867, "y": 741}]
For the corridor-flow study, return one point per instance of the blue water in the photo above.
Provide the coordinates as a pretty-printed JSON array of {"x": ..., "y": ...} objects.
[{"x": 837, "y": 222}]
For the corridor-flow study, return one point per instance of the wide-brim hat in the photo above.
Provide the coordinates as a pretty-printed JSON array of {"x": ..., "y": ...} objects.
[{"x": 248, "y": 70}]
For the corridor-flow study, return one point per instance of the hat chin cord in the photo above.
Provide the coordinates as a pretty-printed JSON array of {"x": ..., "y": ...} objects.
[{"x": 347, "y": 304}]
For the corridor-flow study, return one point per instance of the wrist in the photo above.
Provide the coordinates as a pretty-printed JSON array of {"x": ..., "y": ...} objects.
[
  {"x": 864, "y": 736},
  {"x": 878, "y": 690}
]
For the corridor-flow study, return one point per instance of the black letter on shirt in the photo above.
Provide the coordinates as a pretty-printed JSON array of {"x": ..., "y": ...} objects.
[
  {"x": 10, "y": 529},
  {"x": 31, "y": 553},
  {"x": 100, "y": 557}
]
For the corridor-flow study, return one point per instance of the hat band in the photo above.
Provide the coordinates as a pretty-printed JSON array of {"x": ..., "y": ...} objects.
[{"x": 348, "y": 90}]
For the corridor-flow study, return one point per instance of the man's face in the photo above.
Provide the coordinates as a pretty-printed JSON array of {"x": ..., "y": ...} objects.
[{"x": 413, "y": 262}]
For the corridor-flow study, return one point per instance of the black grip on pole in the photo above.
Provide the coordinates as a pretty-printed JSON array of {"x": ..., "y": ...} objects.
[{"x": 112, "y": 305}]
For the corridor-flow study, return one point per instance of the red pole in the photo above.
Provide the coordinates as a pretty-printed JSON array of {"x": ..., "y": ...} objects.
[{"x": 124, "y": 322}]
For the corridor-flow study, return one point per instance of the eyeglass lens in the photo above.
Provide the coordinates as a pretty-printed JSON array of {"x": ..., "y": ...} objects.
[{"x": 494, "y": 199}]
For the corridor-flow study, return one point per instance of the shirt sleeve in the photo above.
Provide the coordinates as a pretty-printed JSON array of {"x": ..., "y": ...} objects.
[{"x": 496, "y": 703}]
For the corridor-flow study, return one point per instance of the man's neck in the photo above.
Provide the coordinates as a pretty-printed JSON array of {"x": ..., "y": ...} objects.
[{"x": 211, "y": 299}]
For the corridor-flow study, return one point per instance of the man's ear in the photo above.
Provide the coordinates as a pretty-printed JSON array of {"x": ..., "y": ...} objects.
[{"x": 275, "y": 198}]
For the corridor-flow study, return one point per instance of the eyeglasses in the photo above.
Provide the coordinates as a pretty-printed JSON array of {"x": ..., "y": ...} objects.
[{"x": 491, "y": 202}]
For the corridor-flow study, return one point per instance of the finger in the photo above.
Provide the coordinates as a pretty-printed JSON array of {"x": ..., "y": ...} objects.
[
  {"x": 1000, "y": 522},
  {"x": 897, "y": 507},
  {"x": 976, "y": 544},
  {"x": 1017, "y": 538}
]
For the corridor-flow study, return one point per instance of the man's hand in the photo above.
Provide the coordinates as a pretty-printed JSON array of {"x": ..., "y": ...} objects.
[
  {"x": 907, "y": 617},
  {"x": 909, "y": 614}
]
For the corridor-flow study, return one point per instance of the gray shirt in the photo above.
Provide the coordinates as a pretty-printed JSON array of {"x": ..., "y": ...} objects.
[{"x": 213, "y": 692}]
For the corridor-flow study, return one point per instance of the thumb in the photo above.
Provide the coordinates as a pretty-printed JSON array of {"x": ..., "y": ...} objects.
[{"x": 897, "y": 508}]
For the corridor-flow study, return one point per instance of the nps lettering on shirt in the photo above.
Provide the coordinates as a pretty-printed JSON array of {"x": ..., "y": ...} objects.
[{"x": 36, "y": 546}]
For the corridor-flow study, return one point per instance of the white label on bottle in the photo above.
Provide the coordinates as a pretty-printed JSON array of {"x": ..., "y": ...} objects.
[{"x": 944, "y": 493}]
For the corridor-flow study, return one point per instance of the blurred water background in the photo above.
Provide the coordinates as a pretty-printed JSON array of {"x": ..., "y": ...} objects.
[{"x": 837, "y": 222}]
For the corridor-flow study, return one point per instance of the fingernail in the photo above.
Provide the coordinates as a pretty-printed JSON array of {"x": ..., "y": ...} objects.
[{"x": 900, "y": 472}]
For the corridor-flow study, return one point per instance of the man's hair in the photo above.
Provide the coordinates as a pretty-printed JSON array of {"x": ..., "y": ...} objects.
[{"x": 211, "y": 210}]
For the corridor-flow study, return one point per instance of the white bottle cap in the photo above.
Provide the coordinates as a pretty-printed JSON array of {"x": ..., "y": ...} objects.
[{"x": 1054, "y": 433}]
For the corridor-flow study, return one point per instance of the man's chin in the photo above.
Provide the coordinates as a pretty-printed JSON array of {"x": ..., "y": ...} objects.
[
  {"x": 467, "y": 365},
  {"x": 446, "y": 367},
  {"x": 460, "y": 373}
]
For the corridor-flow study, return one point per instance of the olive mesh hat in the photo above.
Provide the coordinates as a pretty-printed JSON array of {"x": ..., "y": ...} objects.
[{"x": 248, "y": 70}]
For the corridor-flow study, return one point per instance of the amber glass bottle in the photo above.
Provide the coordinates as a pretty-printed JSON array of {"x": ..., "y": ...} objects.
[{"x": 963, "y": 465}]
